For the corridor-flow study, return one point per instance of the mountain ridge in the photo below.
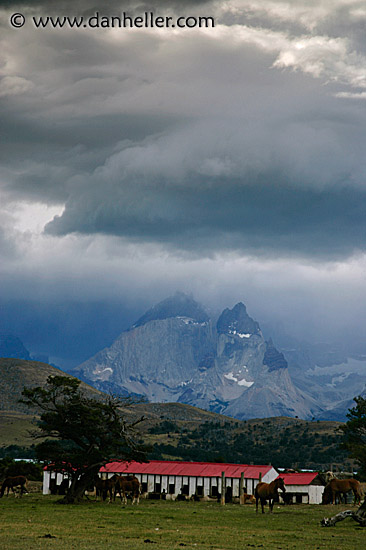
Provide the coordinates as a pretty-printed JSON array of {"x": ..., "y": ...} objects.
[{"x": 175, "y": 353}]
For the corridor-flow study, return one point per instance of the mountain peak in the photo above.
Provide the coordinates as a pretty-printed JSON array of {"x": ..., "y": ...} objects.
[
  {"x": 237, "y": 320},
  {"x": 12, "y": 346},
  {"x": 178, "y": 305}
]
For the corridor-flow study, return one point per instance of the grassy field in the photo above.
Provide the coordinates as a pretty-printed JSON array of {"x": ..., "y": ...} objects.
[{"x": 38, "y": 522}]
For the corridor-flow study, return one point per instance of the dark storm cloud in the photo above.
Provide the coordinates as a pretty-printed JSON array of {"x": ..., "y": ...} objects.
[
  {"x": 252, "y": 218},
  {"x": 200, "y": 145},
  {"x": 50, "y": 154}
]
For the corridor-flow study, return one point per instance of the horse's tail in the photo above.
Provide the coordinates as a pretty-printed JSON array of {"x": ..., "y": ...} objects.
[
  {"x": 359, "y": 492},
  {"x": 3, "y": 487}
]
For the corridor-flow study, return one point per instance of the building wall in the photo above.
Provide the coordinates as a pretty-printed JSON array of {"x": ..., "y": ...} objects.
[
  {"x": 311, "y": 494},
  {"x": 49, "y": 479},
  {"x": 46, "y": 483},
  {"x": 315, "y": 494}
]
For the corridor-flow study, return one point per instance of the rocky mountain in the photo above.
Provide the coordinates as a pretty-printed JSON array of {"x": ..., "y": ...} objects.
[
  {"x": 174, "y": 353},
  {"x": 12, "y": 346},
  {"x": 332, "y": 375}
]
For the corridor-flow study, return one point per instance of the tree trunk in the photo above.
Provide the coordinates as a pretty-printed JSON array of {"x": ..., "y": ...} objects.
[
  {"x": 359, "y": 516},
  {"x": 78, "y": 487}
]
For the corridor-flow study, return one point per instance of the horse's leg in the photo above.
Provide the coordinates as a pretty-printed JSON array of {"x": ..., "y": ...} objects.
[
  {"x": 270, "y": 504},
  {"x": 256, "y": 504},
  {"x": 262, "y": 504}
]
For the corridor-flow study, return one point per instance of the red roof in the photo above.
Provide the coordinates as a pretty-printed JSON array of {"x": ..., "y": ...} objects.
[
  {"x": 299, "y": 478},
  {"x": 180, "y": 468}
]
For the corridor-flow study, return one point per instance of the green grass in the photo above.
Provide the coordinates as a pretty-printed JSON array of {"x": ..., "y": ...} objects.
[{"x": 38, "y": 522}]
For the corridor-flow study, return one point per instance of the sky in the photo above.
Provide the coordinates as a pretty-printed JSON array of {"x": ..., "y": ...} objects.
[{"x": 227, "y": 162}]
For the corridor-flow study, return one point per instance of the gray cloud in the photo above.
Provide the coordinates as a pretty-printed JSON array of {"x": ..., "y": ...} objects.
[{"x": 255, "y": 218}]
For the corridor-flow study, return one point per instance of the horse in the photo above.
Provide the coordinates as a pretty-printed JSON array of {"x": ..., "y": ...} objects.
[
  {"x": 327, "y": 497},
  {"x": 342, "y": 486},
  {"x": 12, "y": 482},
  {"x": 268, "y": 491},
  {"x": 103, "y": 487},
  {"x": 127, "y": 484}
]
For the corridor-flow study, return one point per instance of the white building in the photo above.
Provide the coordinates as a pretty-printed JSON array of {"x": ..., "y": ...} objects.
[
  {"x": 303, "y": 487},
  {"x": 179, "y": 478}
]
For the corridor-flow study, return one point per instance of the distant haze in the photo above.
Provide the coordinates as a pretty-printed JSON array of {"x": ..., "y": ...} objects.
[{"x": 224, "y": 162}]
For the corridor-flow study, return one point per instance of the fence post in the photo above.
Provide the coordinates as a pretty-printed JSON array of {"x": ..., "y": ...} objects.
[
  {"x": 223, "y": 488},
  {"x": 241, "y": 489}
]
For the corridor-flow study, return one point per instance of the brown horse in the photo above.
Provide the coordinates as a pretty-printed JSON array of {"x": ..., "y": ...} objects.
[
  {"x": 268, "y": 491},
  {"x": 336, "y": 487},
  {"x": 12, "y": 482},
  {"x": 127, "y": 484},
  {"x": 103, "y": 487},
  {"x": 327, "y": 496}
]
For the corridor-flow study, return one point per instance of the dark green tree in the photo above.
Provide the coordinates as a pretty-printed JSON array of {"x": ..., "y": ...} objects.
[
  {"x": 354, "y": 434},
  {"x": 83, "y": 433}
]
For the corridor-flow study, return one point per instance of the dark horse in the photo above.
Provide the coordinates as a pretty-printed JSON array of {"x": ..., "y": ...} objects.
[
  {"x": 12, "y": 482},
  {"x": 337, "y": 487},
  {"x": 268, "y": 491},
  {"x": 104, "y": 487},
  {"x": 127, "y": 484}
]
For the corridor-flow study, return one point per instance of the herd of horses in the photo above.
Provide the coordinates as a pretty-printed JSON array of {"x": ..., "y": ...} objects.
[
  {"x": 264, "y": 492},
  {"x": 335, "y": 489},
  {"x": 118, "y": 485},
  {"x": 338, "y": 488}
]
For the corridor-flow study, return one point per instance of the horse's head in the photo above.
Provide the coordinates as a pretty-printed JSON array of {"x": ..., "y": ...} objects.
[
  {"x": 280, "y": 484},
  {"x": 327, "y": 495}
]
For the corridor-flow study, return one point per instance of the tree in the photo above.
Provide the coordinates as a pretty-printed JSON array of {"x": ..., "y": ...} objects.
[
  {"x": 354, "y": 434},
  {"x": 83, "y": 433},
  {"x": 354, "y": 440}
]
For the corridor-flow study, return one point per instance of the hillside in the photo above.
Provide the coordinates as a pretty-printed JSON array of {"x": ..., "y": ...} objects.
[
  {"x": 16, "y": 419},
  {"x": 15, "y": 374},
  {"x": 281, "y": 441}
]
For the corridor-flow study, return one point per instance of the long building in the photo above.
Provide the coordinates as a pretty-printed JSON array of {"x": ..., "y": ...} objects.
[
  {"x": 174, "y": 478},
  {"x": 202, "y": 479}
]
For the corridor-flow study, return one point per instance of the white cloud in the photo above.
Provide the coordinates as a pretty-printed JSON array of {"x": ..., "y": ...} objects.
[{"x": 14, "y": 85}]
